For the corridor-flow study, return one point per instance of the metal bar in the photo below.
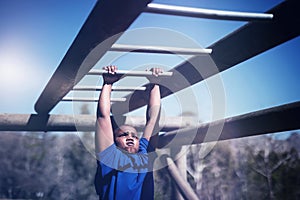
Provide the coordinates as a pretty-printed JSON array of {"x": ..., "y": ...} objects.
[
  {"x": 124, "y": 73},
  {"x": 277, "y": 119},
  {"x": 99, "y": 32},
  {"x": 159, "y": 49},
  {"x": 256, "y": 37},
  {"x": 90, "y": 99},
  {"x": 184, "y": 187},
  {"x": 206, "y": 13},
  {"x": 114, "y": 88},
  {"x": 34, "y": 122}
]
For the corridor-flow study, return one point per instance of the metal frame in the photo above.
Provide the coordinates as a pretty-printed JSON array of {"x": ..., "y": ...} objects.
[{"x": 256, "y": 37}]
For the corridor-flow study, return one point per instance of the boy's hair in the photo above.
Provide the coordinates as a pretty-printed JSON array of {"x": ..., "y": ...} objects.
[
  {"x": 116, "y": 125},
  {"x": 117, "y": 122}
]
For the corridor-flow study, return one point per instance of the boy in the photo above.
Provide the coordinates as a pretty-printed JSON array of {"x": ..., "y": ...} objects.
[{"x": 123, "y": 169}]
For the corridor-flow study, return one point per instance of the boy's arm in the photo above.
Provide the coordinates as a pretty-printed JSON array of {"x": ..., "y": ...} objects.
[
  {"x": 104, "y": 132},
  {"x": 153, "y": 107}
]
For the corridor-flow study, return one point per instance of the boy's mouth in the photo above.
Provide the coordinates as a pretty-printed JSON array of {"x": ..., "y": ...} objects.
[{"x": 129, "y": 143}]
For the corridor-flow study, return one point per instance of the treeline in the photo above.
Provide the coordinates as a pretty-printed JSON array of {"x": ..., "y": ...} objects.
[
  {"x": 45, "y": 166},
  {"x": 53, "y": 166},
  {"x": 260, "y": 167}
]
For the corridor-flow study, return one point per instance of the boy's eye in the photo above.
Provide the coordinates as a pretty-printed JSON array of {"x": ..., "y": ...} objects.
[
  {"x": 123, "y": 134},
  {"x": 126, "y": 134}
]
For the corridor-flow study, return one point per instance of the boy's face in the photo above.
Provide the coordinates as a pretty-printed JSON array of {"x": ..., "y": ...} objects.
[{"x": 126, "y": 138}]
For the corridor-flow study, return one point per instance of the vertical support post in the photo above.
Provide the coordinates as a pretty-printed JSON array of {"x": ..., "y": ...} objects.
[
  {"x": 178, "y": 153},
  {"x": 184, "y": 187}
]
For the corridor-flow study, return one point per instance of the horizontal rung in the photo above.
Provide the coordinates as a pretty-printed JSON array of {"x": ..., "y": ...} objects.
[
  {"x": 129, "y": 73},
  {"x": 114, "y": 88},
  {"x": 159, "y": 49},
  {"x": 206, "y": 13},
  {"x": 86, "y": 99}
]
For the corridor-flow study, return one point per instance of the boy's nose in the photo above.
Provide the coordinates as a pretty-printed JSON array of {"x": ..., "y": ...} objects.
[{"x": 130, "y": 136}]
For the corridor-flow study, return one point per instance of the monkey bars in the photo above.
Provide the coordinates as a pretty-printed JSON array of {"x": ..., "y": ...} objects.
[{"x": 101, "y": 30}]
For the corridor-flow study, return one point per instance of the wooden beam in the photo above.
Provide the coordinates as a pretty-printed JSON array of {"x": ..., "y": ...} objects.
[
  {"x": 180, "y": 130},
  {"x": 65, "y": 123},
  {"x": 277, "y": 119},
  {"x": 105, "y": 24}
]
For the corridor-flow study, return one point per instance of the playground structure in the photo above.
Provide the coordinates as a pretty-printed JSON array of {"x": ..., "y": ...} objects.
[{"x": 263, "y": 32}]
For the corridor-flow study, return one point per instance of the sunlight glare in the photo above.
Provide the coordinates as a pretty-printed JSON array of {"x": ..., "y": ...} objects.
[{"x": 20, "y": 75}]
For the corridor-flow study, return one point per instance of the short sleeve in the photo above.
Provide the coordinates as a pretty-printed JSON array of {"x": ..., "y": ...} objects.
[
  {"x": 144, "y": 144},
  {"x": 113, "y": 157},
  {"x": 124, "y": 175}
]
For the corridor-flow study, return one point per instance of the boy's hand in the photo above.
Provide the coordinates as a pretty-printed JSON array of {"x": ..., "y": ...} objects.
[
  {"x": 155, "y": 75},
  {"x": 111, "y": 76}
]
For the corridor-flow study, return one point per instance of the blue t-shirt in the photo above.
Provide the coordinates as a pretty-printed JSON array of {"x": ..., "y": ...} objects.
[{"x": 122, "y": 175}]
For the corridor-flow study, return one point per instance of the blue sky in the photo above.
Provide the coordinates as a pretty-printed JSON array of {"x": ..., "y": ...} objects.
[{"x": 35, "y": 35}]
